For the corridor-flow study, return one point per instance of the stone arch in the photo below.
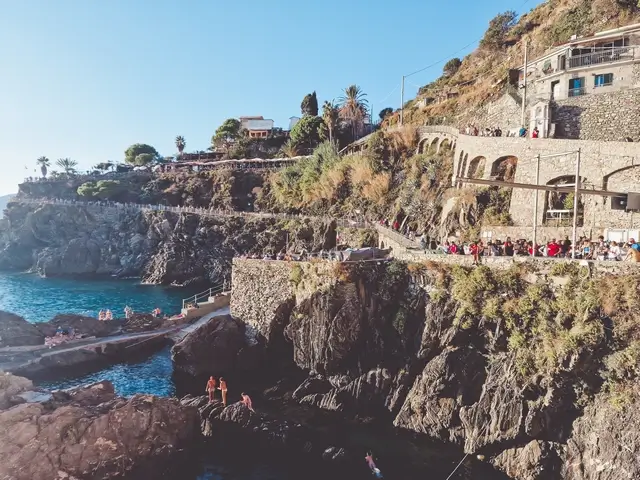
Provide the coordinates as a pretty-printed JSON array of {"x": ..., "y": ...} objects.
[
  {"x": 424, "y": 142},
  {"x": 504, "y": 168},
  {"x": 624, "y": 179},
  {"x": 476, "y": 167},
  {"x": 444, "y": 143},
  {"x": 556, "y": 202},
  {"x": 433, "y": 144},
  {"x": 382, "y": 244}
]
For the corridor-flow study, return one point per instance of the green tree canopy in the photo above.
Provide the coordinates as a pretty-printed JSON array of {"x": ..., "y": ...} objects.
[
  {"x": 131, "y": 153},
  {"x": 498, "y": 28},
  {"x": 385, "y": 112},
  {"x": 44, "y": 163},
  {"x": 451, "y": 67},
  {"x": 308, "y": 133},
  {"x": 227, "y": 134},
  {"x": 309, "y": 105},
  {"x": 104, "y": 166},
  {"x": 144, "y": 159},
  {"x": 104, "y": 189},
  {"x": 68, "y": 165}
]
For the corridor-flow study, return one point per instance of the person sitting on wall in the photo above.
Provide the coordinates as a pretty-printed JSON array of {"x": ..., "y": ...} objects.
[
  {"x": 553, "y": 249},
  {"x": 535, "y": 133},
  {"x": 522, "y": 133}
]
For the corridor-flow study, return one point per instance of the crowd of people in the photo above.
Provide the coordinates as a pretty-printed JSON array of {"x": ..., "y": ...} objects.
[
  {"x": 497, "y": 132},
  {"x": 585, "y": 249},
  {"x": 212, "y": 386}
]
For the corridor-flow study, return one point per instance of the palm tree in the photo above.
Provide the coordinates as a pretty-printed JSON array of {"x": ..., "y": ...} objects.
[
  {"x": 44, "y": 162},
  {"x": 289, "y": 149},
  {"x": 330, "y": 116},
  {"x": 353, "y": 108},
  {"x": 68, "y": 165},
  {"x": 180, "y": 143}
]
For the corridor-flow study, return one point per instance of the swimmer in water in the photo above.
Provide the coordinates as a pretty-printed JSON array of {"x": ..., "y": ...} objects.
[{"x": 372, "y": 465}]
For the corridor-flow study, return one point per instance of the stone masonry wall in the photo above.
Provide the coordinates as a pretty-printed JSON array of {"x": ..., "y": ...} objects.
[
  {"x": 260, "y": 287},
  {"x": 505, "y": 112},
  {"x": 610, "y": 116}
]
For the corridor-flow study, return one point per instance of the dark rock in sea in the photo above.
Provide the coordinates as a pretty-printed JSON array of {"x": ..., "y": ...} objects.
[
  {"x": 16, "y": 331},
  {"x": 91, "y": 433},
  {"x": 81, "y": 325},
  {"x": 216, "y": 348}
]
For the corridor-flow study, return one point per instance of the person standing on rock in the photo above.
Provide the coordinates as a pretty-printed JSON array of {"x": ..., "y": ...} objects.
[
  {"x": 247, "y": 401},
  {"x": 223, "y": 390},
  {"x": 211, "y": 388}
]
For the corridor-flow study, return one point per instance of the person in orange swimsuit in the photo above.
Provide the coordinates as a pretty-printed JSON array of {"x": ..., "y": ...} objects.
[
  {"x": 211, "y": 388},
  {"x": 223, "y": 389}
]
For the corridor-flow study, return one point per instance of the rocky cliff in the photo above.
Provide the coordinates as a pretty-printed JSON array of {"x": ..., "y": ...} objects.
[
  {"x": 160, "y": 247},
  {"x": 90, "y": 433},
  {"x": 535, "y": 373}
]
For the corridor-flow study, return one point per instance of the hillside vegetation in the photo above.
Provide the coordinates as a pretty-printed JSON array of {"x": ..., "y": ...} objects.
[{"x": 482, "y": 75}]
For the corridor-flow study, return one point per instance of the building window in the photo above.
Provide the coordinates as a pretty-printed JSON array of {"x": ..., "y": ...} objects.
[
  {"x": 603, "y": 80},
  {"x": 576, "y": 87}
]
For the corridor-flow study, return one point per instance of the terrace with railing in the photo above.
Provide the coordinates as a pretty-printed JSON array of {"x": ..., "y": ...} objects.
[{"x": 601, "y": 56}]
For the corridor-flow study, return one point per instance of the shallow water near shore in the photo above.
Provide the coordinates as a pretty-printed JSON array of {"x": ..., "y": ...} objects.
[{"x": 40, "y": 299}]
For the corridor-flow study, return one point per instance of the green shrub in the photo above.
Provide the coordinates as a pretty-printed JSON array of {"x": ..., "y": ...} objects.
[{"x": 296, "y": 275}]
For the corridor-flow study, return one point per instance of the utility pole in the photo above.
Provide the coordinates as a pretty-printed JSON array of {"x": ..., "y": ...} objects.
[
  {"x": 576, "y": 195},
  {"x": 524, "y": 93},
  {"x": 402, "y": 102},
  {"x": 535, "y": 207}
]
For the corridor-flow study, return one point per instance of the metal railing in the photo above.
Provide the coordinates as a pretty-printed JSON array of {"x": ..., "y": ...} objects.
[
  {"x": 577, "y": 92},
  {"x": 125, "y": 207},
  {"x": 607, "y": 55},
  {"x": 199, "y": 297}
]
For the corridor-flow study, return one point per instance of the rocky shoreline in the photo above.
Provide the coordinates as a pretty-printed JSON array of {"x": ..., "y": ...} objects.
[{"x": 88, "y": 432}]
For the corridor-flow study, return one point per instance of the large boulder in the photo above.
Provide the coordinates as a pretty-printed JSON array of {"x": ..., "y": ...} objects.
[
  {"x": 10, "y": 387},
  {"x": 82, "y": 325},
  {"x": 217, "y": 348},
  {"x": 16, "y": 331},
  {"x": 90, "y": 433}
]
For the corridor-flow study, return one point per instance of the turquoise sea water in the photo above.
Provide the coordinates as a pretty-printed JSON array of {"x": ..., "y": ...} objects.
[{"x": 40, "y": 299}]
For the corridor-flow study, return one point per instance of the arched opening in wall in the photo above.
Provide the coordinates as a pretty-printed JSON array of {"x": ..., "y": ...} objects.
[
  {"x": 504, "y": 168},
  {"x": 476, "y": 167},
  {"x": 382, "y": 245},
  {"x": 558, "y": 206},
  {"x": 463, "y": 168},
  {"x": 445, "y": 145},
  {"x": 433, "y": 145},
  {"x": 423, "y": 146}
]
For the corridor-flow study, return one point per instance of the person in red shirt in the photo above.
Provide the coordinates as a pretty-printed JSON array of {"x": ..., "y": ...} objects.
[
  {"x": 553, "y": 249},
  {"x": 396, "y": 225},
  {"x": 475, "y": 251},
  {"x": 453, "y": 248},
  {"x": 535, "y": 133},
  {"x": 211, "y": 388}
]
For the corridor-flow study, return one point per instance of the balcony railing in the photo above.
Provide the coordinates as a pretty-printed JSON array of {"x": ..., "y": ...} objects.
[
  {"x": 608, "y": 55},
  {"x": 577, "y": 92}
]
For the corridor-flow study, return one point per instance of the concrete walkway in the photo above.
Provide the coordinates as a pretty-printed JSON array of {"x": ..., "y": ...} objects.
[{"x": 12, "y": 358}]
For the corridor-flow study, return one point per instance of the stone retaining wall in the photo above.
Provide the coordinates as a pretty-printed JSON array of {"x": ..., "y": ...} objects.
[
  {"x": 261, "y": 287},
  {"x": 604, "y": 116}
]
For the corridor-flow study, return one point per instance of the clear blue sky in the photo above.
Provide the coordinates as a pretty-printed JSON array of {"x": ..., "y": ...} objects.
[{"x": 85, "y": 79}]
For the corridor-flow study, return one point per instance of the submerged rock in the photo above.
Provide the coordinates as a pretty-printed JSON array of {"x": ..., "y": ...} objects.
[
  {"x": 16, "y": 331},
  {"x": 91, "y": 433}
]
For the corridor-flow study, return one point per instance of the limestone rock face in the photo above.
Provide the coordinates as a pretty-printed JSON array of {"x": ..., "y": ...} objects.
[
  {"x": 90, "y": 433},
  {"x": 217, "y": 348},
  {"x": 537, "y": 460},
  {"x": 10, "y": 387},
  {"x": 450, "y": 381},
  {"x": 604, "y": 442},
  {"x": 160, "y": 247},
  {"x": 16, "y": 331}
]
